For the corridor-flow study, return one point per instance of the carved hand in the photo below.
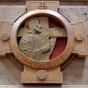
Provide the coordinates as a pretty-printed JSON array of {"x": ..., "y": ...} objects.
[{"x": 46, "y": 48}]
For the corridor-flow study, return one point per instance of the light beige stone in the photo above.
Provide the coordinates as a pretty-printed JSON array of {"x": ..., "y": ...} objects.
[
  {"x": 10, "y": 13},
  {"x": 75, "y": 73},
  {"x": 6, "y": 77},
  {"x": 76, "y": 14}
]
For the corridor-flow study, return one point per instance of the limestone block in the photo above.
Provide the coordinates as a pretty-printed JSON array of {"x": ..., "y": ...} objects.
[
  {"x": 76, "y": 72},
  {"x": 6, "y": 78},
  {"x": 9, "y": 13},
  {"x": 76, "y": 14}
]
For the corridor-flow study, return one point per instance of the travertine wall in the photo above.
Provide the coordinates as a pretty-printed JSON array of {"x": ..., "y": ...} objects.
[{"x": 77, "y": 70}]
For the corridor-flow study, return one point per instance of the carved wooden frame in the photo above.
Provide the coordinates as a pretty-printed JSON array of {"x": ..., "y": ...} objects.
[{"x": 42, "y": 65}]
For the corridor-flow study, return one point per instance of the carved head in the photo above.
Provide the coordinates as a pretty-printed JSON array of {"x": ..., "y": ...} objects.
[{"x": 34, "y": 25}]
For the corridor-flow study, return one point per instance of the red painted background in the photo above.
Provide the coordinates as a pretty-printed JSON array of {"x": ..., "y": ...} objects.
[{"x": 60, "y": 42}]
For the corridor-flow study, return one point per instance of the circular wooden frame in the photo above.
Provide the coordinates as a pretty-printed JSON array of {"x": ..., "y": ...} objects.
[{"x": 42, "y": 65}]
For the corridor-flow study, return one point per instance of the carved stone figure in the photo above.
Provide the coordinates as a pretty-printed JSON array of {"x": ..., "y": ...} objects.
[
  {"x": 38, "y": 40},
  {"x": 30, "y": 44}
]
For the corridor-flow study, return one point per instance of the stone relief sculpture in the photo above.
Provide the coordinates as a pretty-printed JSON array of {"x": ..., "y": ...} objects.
[
  {"x": 38, "y": 40},
  {"x": 30, "y": 44}
]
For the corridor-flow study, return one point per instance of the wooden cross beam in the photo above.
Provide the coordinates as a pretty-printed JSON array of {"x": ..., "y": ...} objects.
[
  {"x": 55, "y": 32},
  {"x": 50, "y": 34}
]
